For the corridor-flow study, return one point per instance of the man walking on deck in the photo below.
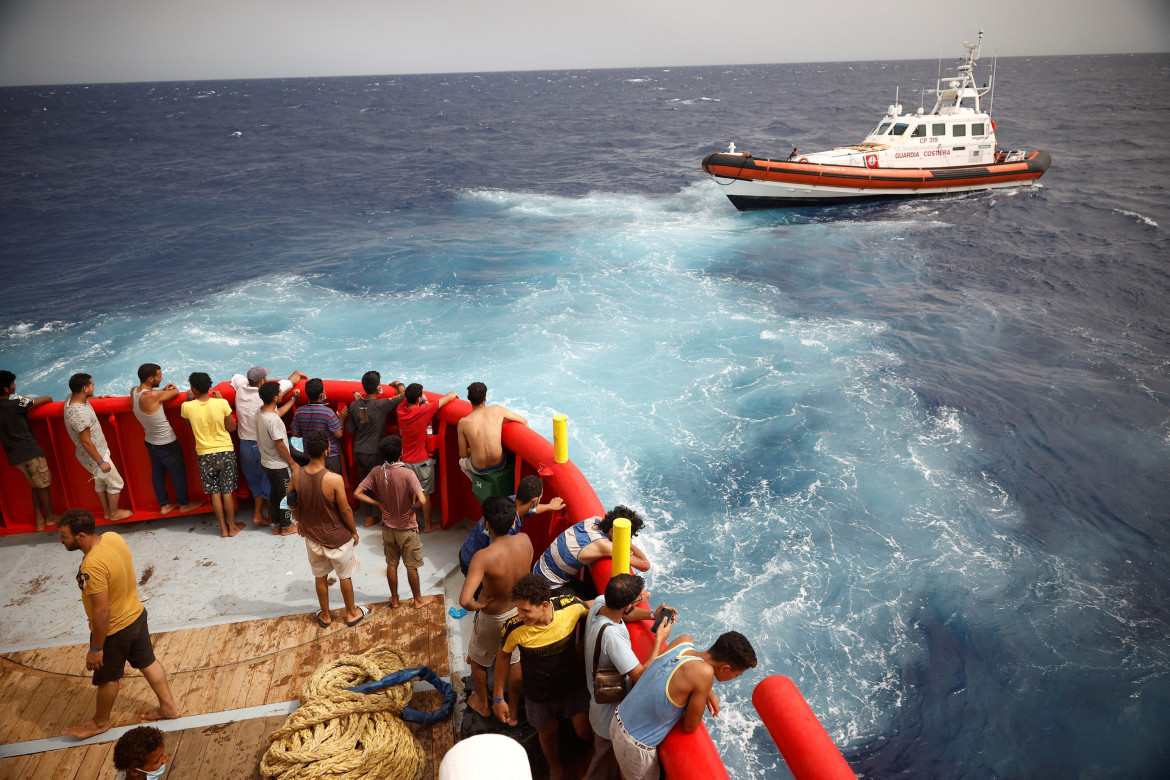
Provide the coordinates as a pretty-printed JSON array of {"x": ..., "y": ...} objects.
[
  {"x": 317, "y": 416},
  {"x": 367, "y": 422},
  {"x": 91, "y": 449},
  {"x": 481, "y": 449},
  {"x": 319, "y": 503},
  {"x": 554, "y": 677},
  {"x": 414, "y": 422},
  {"x": 395, "y": 491},
  {"x": 487, "y": 592},
  {"x": 584, "y": 543},
  {"x": 680, "y": 674},
  {"x": 22, "y": 450},
  {"x": 211, "y": 421},
  {"x": 166, "y": 456},
  {"x": 275, "y": 458},
  {"x": 247, "y": 407},
  {"x": 117, "y": 621}
]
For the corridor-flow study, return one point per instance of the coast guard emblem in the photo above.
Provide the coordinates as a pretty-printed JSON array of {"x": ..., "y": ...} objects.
[{"x": 871, "y": 161}]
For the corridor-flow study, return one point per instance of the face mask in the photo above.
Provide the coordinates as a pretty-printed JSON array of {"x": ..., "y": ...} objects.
[{"x": 156, "y": 774}]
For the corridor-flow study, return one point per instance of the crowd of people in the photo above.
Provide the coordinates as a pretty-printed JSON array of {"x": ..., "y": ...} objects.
[{"x": 539, "y": 626}]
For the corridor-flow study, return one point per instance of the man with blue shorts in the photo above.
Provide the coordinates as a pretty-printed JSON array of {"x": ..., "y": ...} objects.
[{"x": 248, "y": 405}]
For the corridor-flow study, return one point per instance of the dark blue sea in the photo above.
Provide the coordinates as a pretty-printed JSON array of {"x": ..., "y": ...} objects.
[{"x": 918, "y": 452}]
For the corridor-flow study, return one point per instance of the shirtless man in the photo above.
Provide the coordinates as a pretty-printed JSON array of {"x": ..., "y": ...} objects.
[
  {"x": 166, "y": 456},
  {"x": 481, "y": 450},
  {"x": 495, "y": 567}
]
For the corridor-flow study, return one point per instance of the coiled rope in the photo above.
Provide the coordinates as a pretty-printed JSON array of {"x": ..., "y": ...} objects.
[{"x": 342, "y": 735}]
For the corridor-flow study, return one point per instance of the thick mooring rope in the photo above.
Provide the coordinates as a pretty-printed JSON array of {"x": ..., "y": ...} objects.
[{"x": 342, "y": 735}]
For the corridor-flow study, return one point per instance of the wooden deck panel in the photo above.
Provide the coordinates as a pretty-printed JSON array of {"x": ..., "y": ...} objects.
[
  {"x": 228, "y": 751},
  {"x": 47, "y": 690}
]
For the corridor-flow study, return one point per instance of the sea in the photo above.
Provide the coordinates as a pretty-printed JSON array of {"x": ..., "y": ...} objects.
[{"x": 916, "y": 451}]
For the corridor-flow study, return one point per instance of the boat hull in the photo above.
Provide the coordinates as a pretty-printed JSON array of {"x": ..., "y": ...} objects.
[{"x": 751, "y": 183}]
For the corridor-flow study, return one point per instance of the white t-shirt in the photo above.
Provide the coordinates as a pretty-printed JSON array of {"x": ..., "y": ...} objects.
[
  {"x": 269, "y": 430},
  {"x": 615, "y": 651},
  {"x": 248, "y": 405}
]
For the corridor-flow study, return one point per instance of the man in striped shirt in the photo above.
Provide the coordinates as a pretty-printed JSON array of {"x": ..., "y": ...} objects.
[
  {"x": 584, "y": 543},
  {"x": 317, "y": 416}
]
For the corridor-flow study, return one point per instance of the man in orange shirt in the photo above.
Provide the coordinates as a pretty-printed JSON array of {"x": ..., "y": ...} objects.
[{"x": 117, "y": 621}]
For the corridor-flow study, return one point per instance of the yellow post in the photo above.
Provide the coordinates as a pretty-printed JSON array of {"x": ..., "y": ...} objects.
[
  {"x": 560, "y": 438},
  {"x": 621, "y": 547}
]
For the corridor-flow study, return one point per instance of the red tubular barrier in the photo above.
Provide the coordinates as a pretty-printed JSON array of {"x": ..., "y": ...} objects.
[{"x": 807, "y": 748}]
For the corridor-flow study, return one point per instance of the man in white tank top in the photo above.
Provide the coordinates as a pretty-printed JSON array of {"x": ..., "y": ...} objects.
[{"x": 166, "y": 456}]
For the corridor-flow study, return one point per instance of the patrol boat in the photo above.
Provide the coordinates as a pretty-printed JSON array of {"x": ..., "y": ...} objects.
[{"x": 951, "y": 149}]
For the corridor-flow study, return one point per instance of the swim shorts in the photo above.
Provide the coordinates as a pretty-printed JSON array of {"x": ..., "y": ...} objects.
[
  {"x": 486, "y": 631},
  {"x": 342, "y": 560},
  {"x": 425, "y": 472},
  {"x": 218, "y": 472},
  {"x": 131, "y": 644}
]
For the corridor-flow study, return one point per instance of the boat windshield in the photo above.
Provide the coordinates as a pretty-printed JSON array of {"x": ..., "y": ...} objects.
[
  {"x": 900, "y": 128},
  {"x": 882, "y": 128}
]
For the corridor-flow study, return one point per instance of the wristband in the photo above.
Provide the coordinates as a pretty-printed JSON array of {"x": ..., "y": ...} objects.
[
  {"x": 496, "y": 701},
  {"x": 97, "y": 649},
  {"x": 101, "y": 464}
]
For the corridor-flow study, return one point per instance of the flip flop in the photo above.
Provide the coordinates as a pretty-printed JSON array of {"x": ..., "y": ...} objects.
[
  {"x": 321, "y": 622},
  {"x": 365, "y": 611}
]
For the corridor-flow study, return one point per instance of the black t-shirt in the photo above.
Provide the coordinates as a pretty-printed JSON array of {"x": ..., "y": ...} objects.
[
  {"x": 368, "y": 435},
  {"x": 15, "y": 433}
]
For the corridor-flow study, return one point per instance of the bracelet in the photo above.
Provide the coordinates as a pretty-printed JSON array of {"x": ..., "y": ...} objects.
[
  {"x": 101, "y": 464},
  {"x": 496, "y": 701},
  {"x": 97, "y": 649}
]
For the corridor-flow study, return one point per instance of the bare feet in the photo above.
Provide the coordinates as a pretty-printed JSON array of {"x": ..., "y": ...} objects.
[
  {"x": 478, "y": 702},
  {"x": 121, "y": 514},
  {"x": 190, "y": 506},
  {"x": 292, "y": 529},
  {"x": 236, "y": 528},
  {"x": 40, "y": 522},
  {"x": 394, "y": 601},
  {"x": 159, "y": 714},
  {"x": 370, "y": 522},
  {"x": 167, "y": 508},
  {"x": 422, "y": 601},
  {"x": 88, "y": 729},
  {"x": 261, "y": 521},
  {"x": 432, "y": 527}
]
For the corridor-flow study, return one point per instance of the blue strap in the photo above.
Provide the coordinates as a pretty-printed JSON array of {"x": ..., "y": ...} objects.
[{"x": 406, "y": 675}]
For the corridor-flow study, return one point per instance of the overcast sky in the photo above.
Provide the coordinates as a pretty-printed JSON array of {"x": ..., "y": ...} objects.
[{"x": 74, "y": 41}]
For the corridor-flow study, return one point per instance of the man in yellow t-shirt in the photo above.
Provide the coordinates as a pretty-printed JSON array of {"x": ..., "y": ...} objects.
[
  {"x": 117, "y": 621},
  {"x": 554, "y": 674},
  {"x": 212, "y": 423}
]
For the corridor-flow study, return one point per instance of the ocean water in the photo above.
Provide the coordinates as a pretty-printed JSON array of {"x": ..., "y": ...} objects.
[{"x": 916, "y": 451}]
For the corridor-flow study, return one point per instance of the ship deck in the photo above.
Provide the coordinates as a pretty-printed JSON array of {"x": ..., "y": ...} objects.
[{"x": 236, "y": 673}]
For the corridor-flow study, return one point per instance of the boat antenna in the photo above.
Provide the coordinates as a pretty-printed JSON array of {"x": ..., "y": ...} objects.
[{"x": 991, "y": 89}]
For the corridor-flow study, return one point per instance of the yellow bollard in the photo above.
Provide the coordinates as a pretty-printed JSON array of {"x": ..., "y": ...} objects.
[
  {"x": 621, "y": 547},
  {"x": 560, "y": 438}
]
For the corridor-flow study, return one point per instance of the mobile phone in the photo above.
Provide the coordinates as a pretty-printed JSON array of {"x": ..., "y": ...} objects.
[{"x": 665, "y": 614}]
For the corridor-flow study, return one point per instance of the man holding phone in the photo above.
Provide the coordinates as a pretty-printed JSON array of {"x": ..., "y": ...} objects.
[{"x": 611, "y": 612}]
